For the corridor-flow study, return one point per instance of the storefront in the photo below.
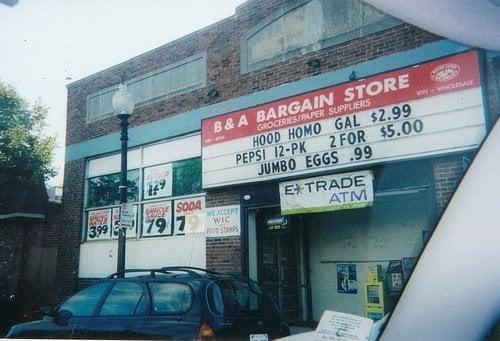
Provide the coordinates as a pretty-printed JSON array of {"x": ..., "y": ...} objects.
[{"x": 339, "y": 186}]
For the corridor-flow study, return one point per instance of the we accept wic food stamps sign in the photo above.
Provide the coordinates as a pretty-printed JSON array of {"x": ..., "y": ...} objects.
[
  {"x": 327, "y": 193},
  {"x": 427, "y": 109}
]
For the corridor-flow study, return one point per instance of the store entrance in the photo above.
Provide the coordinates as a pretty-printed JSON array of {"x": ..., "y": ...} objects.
[{"x": 281, "y": 263}]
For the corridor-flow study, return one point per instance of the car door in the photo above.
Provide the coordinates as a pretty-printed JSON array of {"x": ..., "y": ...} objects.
[
  {"x": 73, "y": 315},
  {"x": 248, "y": 312},
  {"x": 122, "y": 312},
  {"x": 174, "y": 314}
]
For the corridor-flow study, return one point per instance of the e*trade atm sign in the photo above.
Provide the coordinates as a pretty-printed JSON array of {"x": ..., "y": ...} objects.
[{"x": 427, "y": 109}]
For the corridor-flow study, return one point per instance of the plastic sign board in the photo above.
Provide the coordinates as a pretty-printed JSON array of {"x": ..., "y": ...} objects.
[
  {"x": 126, "y": 216},
  {"x": 131, "y": 227},
  {"x": 327, "y": 193},
  {"x": 158, "y": 181},
  {"x": 223, "y": 221},
  {"x": 189, "y": 215},
  {"x": 99, "y": 224},
  {"x": 157, "y": 219},
  {"x": 427, "y": 109}
]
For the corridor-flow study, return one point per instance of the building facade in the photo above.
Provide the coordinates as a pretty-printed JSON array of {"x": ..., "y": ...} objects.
[{"x": 310, "y": 145}]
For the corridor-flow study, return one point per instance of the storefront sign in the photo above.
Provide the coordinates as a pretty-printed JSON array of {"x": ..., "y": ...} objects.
[
  {"x": 158, "y": 181},
  {"x": 427, "y": 109},
  {"x": 99, "y": 224},
  {"x": 223, "y": 221},
  {"x": 115, "y": 223},
  {"x": 156, "y": 219},
  {"x": 327, "y": 193},
  {"x": 189, "y": 215}
]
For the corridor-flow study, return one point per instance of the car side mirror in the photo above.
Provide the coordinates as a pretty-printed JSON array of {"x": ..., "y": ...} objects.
[
  {"x": 46, "y": 311},
  {"x": 62, "y": 317}
]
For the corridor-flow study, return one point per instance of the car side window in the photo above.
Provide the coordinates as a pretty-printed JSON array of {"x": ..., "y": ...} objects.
[
  {"x": 170, "y": 298},
  {"x": 215, "y": 300},
  {"x": 238, "y": 297},
  {"x": 126, "y": 298},
  {"x": 85, "y": 302}
]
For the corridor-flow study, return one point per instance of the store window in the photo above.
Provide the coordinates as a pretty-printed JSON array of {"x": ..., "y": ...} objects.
[
  {"x": 103, "y": 190},
  {"x": 165, "y": 197},
  {"x": 187, "y": 177},
  {"x": 307, "y": 26}
]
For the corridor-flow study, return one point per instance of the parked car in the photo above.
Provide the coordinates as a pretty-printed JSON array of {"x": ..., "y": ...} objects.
[{"x": 166, "y": 303}]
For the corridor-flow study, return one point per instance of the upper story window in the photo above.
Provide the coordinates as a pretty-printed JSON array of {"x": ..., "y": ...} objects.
[
  {"x": 187, "y": 75},
  {"x": 307, "y": 26}
]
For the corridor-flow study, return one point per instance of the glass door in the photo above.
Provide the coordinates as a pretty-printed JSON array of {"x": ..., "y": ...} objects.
[{"x": 281, "y": 263}]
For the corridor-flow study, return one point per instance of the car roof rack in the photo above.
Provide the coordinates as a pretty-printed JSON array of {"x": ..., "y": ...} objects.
[
  {"x": 151, "y": 271},
  {"x": 190, "y": 270}
]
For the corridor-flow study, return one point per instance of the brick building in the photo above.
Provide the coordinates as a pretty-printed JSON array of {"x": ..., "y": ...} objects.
[
  {"x": 281, "y": 95},
  {"x": 28, "y": 249}
]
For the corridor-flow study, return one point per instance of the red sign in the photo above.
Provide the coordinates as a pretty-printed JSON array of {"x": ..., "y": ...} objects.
[{"x": 450, "y": 74}]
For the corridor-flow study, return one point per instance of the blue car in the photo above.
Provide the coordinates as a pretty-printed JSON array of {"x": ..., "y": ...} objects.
[{"x": 167, "y": 303}]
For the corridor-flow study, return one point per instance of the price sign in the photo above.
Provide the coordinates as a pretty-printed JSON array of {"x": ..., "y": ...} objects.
[
  {"x": 99, "y": 224},
  {"x": 156, "y": 219},
  {"x": 428, "y": 109},
  {"x": 132, "y": 231},
  {"x": 158, "y": 181},
  {"x": 189, "y": 216}
]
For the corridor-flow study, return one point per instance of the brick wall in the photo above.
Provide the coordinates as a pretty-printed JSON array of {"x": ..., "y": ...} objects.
[
  {"x": 70, "y": 233},
  {"x": 447, "y": 175},
  {"x": 37, "y": 280},
  {"x": 223, "y": 254},
  {"x": 493, "y": 92},
  {"x": 221, "y": 42},
  {"x": 11, "y": 252}
]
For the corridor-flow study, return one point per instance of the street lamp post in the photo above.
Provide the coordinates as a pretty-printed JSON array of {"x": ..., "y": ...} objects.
[{"x": 123, "y": 105}]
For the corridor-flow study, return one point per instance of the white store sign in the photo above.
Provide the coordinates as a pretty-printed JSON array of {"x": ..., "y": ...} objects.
[
  {"x": 131, "y": 230},
  {"x": 327, "y": 193},
  {"x": 157, "y": 219},
  {"x": 99, "y": 224},
  {"x": 189, "y": 215},
  {"x": 427, "y": 109},
  {"x": 158, "y": 181},
  {"x": 224, "y": 221}
]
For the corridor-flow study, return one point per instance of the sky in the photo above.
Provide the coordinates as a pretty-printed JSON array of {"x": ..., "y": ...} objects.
[{"x": 45, "y": 45}]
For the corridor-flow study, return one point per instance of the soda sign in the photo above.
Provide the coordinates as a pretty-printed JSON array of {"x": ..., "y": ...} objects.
[{"x": 189, "y": 216}]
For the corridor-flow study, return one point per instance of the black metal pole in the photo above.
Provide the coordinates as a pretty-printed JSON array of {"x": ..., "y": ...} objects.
[{"x": 123, "y": 192}]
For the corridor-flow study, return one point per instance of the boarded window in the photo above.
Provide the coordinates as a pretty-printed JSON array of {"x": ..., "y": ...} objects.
[
  {"x": 186, "y": 75},
  {"x": 307, "y": 26}
]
